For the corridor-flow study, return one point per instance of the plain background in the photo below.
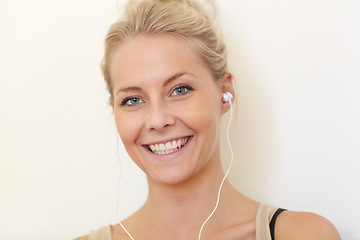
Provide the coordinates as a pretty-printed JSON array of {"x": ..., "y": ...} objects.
[{"x": 296, "y": 132}]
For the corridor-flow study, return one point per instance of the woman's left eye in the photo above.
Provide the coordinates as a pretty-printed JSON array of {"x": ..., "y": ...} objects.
[{"x": 181, "y": 90}]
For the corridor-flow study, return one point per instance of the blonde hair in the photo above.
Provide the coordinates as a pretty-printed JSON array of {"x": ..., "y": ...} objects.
[{"x": 185, "y": 18}]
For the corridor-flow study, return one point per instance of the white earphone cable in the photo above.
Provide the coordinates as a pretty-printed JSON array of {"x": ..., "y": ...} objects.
[
  {"x": 118, "y": 188},
  {"x": 226, "y": 174}
]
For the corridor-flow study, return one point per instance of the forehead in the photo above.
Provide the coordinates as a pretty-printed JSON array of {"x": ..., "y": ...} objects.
[{"x": 154, "y": 56}]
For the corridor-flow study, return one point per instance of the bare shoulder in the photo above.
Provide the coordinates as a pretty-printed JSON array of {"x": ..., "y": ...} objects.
[
  {"x": 86, "y": 237},
  {"x": 304, "y": 225}
]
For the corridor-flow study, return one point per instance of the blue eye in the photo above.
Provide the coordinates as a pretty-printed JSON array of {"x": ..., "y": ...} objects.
[
  {"x": 181, "y": 90},
  {"x": 131, "y": 101}
]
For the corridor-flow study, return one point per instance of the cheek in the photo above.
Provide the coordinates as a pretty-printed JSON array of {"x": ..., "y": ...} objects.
[
  {"x": 127, "y": 129},
  {"x": 203, "y": 116}
]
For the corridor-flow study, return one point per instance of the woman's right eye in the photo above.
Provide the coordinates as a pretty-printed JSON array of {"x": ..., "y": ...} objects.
[{"x": 131, "y": 101}]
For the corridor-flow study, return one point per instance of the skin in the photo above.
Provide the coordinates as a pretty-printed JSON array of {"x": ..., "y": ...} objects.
[{"x": 164, "y": 91}]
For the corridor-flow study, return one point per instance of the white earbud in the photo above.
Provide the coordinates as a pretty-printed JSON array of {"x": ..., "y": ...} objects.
[{"x": 227, "y": 97}]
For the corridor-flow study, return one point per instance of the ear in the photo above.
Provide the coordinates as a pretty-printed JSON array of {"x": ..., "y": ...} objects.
[
  {"x": 111, "y": 101},
  {"x": 227, "y": 86}
]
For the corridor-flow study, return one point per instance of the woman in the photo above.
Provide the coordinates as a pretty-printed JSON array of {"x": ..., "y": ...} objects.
[{"x": 166, "y": 71}]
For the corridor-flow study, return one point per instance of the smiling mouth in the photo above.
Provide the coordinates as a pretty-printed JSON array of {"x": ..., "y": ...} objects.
[{"x": 168, "y": 147}]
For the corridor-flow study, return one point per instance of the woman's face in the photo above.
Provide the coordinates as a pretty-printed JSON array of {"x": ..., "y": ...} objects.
[{"x": 167, "y": 107}]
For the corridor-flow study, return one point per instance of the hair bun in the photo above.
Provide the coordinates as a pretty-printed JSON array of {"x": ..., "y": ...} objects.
[
  {"x": 193, "y": 20},
  {"x": 206, "y": 7}
]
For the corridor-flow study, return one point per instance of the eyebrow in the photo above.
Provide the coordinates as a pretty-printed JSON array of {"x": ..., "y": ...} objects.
[
  {"x": 168, "y": 81},
  {"x": 174, "y": 77}
]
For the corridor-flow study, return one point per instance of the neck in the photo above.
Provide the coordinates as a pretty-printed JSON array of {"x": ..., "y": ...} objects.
[
  {"x": 187, "y": 204},
  {"x": 177, "y": 211}
]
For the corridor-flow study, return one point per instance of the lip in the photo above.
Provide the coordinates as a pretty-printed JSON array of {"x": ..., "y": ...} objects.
[{"x": 169, "y": 155}]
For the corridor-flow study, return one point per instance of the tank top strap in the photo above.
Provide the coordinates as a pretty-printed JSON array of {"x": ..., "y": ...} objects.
[
  {"x": 263, "y": 217},
  {"x": 103, "y": 233}
]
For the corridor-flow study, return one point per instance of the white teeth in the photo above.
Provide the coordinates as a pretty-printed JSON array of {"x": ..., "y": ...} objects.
[
  {"x": 152, "y": 147},
  {"x": 179, "y": 143},
  {"x": 168, "y": 147}
]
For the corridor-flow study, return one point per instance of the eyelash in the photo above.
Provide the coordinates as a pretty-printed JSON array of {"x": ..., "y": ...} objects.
[
  {"x": 124, "y": 102},
  {"x": 182, "y": 86}
]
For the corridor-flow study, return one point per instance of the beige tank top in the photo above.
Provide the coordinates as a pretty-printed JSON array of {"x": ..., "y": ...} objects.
[
  {"x": 262, "y": 223},
  {"x": 263, "y": 218}
]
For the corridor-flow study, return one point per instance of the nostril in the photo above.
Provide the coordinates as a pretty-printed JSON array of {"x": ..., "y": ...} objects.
[{"x": 159, "y": 120}]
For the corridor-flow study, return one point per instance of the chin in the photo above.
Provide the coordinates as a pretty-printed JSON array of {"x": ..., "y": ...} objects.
[{"x": 170, "y": 178}]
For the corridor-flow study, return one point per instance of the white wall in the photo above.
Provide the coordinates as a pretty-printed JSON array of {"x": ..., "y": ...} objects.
[{"x": 296, "y": 136}]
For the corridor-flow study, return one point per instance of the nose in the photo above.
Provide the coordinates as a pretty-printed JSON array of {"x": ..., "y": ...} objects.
[{"x": 159, "y": 116}]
